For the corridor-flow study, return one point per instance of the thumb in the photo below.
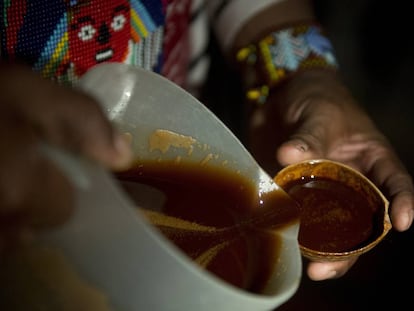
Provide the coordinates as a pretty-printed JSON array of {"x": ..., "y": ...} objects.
[
  {"x": 309, "y": 139},
  {"x": 298, "y": 148}
]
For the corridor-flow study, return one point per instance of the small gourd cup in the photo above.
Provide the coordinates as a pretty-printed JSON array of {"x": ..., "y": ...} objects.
[{"x": 342, "y": 213}]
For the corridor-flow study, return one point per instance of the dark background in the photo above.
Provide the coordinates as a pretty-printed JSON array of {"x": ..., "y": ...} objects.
[{"x": 373, "y": 44}]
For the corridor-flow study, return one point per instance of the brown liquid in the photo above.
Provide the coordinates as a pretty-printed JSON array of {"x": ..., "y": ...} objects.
[
  {"x": 334, "y": 217},
  {"x": 218, "y": 219}
]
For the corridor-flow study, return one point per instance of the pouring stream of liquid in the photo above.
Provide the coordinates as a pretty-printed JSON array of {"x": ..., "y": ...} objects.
[{"x": 150, "y": 201}]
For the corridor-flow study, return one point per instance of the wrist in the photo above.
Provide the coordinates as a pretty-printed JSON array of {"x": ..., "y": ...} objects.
[{"x": 280, "y": 55}]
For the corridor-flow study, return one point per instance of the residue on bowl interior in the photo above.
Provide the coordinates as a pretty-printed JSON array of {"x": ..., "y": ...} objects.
[{"x": 163, "y": 140}]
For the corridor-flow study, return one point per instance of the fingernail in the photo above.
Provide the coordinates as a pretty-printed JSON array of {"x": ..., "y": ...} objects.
[
  {"x": 302, "y": 147},
  {"x": 122, "y": 144},
  {"x": 331, "y": 274},
  {"x": 406, "y": 219}
]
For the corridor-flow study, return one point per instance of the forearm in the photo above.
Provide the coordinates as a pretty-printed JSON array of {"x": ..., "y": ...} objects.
[
  {"x": 276, "y": 16},
  {"x": 240, "y": 22}
]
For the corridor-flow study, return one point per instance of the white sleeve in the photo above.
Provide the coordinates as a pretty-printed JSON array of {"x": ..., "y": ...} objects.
[{"x": 229, "y": 16}]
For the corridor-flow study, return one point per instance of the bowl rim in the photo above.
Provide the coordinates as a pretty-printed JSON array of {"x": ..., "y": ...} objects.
[{"x": 337, "y": 256}]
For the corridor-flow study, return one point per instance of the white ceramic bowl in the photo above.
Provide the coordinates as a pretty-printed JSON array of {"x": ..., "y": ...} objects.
[{"x": 115, "y": 249}]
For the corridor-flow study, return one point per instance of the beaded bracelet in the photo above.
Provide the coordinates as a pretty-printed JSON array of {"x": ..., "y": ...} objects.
[{"x": 281, "y": 54}]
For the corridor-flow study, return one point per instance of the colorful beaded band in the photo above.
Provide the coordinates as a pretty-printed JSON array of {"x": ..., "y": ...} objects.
[{"x": 281, "y": 54}]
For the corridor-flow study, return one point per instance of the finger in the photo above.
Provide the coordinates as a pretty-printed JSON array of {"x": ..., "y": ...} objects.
[
  {"x": 81, "y": 126},
  {"x": 52, "y": 207},
  {"x": 388, "y": 172},
  {"x": 402, "y": 211},
  {"x": 319, "y": 271},
  {"x": 25, "y": 175},
  {"x": 68, "y": 118}
]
